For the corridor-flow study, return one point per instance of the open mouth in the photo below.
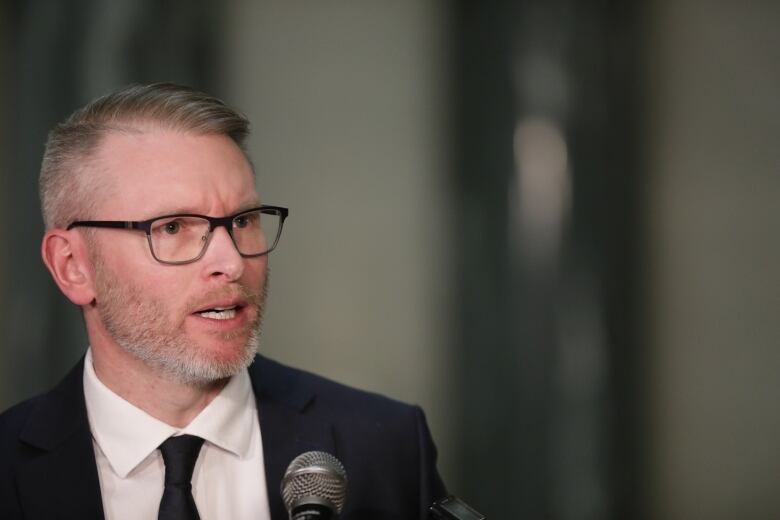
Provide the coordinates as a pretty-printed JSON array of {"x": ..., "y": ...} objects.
[{"x": 220, "y": 313}]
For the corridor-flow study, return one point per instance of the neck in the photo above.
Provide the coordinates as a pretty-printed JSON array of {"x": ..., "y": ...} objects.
[{"x": 134, "y": 381}]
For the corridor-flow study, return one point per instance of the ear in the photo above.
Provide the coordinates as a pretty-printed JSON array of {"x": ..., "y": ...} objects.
[{"x": 65, "y": 255}]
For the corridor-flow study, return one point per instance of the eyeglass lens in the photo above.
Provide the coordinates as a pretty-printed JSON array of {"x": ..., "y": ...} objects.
[{"x": 180, "y": 239}]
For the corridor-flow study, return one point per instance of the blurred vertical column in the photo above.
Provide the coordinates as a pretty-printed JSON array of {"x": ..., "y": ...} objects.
[
  {"x": 7, "y": 41},
  {"x": 712, "y": 215},
  {"x": 57, "y": 56},
  {"x": 548, "y": 303},
  {"x": 40, "y": 83}
]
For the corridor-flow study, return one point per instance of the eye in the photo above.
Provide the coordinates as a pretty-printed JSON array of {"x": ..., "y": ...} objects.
[
  {"x": 172, "y": 227},
  {"x": 247, "y": 220}
]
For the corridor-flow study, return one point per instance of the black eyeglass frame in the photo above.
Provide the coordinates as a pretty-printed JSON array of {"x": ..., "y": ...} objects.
[{"x": 214, "y": 223}]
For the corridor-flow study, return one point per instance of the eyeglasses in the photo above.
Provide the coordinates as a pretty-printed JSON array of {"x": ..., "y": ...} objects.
[{"x": 183, "y": 238}]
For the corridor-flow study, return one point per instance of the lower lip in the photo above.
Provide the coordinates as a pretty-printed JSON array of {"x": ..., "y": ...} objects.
[{"x": 222, "y": 325}]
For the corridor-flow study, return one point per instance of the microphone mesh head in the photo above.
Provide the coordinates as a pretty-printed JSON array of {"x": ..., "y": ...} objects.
[{"x": 314, "y": 474}]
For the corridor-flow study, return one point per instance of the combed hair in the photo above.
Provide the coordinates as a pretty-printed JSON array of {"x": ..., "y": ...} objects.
[{"x": 66, "y": 190}]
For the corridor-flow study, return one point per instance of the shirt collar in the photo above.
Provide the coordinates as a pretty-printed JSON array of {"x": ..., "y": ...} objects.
[
  {"x": 229, "y": 420},
  {"x": 127, "y": 435}
]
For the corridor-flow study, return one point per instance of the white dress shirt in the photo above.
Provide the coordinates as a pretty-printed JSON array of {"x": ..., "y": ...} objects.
[{"x": 229, "y": 477}]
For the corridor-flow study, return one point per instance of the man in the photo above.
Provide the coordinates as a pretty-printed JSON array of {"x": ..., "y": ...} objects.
[{"x": 154, "y": 228}]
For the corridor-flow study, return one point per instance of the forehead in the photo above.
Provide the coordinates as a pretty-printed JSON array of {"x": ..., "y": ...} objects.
[{"x": 151, "y": 172}]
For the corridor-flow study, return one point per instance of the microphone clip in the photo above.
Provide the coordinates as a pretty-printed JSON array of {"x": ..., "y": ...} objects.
[{"x": 453, "y": 508}]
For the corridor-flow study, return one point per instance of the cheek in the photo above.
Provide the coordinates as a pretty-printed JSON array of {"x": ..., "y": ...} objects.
[
  {"x": 132, "y": 247},
  {"x": 168, "y": 287},
  {"x": 255, "y": 271},
  {"x": 173, "y": 291},
  {"x": 128, "y": 257}
]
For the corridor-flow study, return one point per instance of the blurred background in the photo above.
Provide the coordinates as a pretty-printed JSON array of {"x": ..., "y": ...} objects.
[{"x": 550, "y": 223}]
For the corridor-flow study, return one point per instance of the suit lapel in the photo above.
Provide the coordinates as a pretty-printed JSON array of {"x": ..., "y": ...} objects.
[
  {"x": 59, "y": 478},
  {"x": 286, "y": 428}
]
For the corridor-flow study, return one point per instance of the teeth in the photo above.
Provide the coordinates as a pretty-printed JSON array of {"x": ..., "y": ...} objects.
[{"x": 219, "y": 314}]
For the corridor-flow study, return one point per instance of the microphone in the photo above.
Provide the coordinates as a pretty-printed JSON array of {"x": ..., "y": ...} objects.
[{"x": 314, "y": 487}]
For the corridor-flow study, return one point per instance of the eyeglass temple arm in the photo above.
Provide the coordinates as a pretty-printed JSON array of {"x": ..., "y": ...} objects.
[{"x": 115, "y": 224}]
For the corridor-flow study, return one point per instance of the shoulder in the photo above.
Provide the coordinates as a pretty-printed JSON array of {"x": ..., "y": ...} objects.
[
  {"x": 46, "y": 419},
  {"x": 13, "y": 452},
  {"x": 364, "y": 425},
  {"x": 13, "y": 420},
  {"x": 384, "y": 444},
  {"x": 301, "y": 388}
]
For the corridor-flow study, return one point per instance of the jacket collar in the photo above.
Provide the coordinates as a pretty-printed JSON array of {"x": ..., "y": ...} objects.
[{"x": 287, "y": 423}]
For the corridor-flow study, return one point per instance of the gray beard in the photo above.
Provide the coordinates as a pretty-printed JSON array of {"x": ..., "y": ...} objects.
[
  {"x": 177, "y": 362},
  {"x": 139, "y": 325}
]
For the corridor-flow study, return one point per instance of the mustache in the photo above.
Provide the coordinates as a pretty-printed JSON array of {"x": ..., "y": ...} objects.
[{"x": 229, "y": 292}]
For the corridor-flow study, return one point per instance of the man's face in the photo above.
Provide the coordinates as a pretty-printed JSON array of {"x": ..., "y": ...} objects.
[{"x": 165, "y": 314}]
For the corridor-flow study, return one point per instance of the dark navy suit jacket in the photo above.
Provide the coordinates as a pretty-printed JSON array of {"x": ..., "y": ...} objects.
[{"x": 48, "y": 470}]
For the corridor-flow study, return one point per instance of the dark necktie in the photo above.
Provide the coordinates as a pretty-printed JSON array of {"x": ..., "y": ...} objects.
[{"x": 179, "y": 454}]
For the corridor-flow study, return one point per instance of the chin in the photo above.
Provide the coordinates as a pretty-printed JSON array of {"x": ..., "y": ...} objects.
[
  {"x": 224, "y": 356},
  {"x": 230, "y": 355},
  {"x": 206, "y": 362}
]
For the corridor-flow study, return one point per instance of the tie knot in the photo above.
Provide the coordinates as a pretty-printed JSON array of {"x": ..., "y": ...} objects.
[{"x": 179, "y": 455}]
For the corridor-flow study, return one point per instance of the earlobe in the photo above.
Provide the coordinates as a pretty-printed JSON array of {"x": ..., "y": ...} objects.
[{"x": 66, "y": 258}]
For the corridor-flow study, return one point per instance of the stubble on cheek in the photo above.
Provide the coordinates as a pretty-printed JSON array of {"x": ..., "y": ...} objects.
[{"x": 132, "y": 318}]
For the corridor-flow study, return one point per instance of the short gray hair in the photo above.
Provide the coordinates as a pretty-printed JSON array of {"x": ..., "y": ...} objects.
[{"x": 64, "y": 188}]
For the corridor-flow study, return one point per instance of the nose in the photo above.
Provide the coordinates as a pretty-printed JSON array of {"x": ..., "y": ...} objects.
[{"x": 221, "y": 258}]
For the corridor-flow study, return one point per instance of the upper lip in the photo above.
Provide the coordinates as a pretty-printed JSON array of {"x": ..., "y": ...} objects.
[{"x": 222, "y": 304}]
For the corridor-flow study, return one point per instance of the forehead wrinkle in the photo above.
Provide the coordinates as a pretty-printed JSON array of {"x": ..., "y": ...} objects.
[{"x": 190, "y": 210}]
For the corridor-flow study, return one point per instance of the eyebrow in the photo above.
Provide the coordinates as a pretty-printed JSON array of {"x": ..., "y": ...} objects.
[{"x": 182, "y": 210}]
